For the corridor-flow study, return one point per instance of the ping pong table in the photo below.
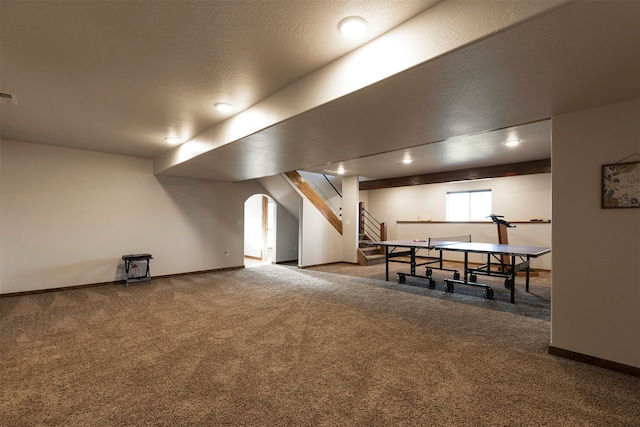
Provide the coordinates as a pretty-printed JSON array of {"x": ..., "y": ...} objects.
[{"x": 408, "y": 252}]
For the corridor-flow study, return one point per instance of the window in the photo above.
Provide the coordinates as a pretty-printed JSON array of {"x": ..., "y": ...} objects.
[{"x": 468, "y": 205}]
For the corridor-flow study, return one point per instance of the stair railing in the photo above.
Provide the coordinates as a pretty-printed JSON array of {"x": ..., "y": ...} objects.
[
  {"x": 338, "y": 211},
  {"x": 331, "y": 184},
  {"x": 370, "y": 227}
]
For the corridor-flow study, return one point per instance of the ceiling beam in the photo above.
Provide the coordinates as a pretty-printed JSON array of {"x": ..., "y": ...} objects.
[
  {"x": 441, "y": 29},
  {"x": 499, "y": 171}
]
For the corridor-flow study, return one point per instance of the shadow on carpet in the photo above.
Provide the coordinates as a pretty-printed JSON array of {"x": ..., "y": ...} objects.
[{"x": 536, "y": 303}]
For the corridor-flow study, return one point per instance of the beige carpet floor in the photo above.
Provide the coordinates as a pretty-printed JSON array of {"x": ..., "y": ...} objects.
[{"x": 282, "y": 346}]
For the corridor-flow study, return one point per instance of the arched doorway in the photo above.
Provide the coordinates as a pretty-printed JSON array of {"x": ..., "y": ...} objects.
[{"x": 259, "y": 230}]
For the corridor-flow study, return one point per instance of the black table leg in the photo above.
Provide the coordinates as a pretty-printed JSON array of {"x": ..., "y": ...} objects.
[
  {"x": 386, "y": 258},
  {"x": 413, "y": 261},
  {"x": 466, "y": 265},
  {"x": 513, "y": 279},
  {"x": 528, "y": 270}
]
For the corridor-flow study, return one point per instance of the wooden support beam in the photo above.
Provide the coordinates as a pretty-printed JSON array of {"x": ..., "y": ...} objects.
[
  {"x": 512, "y": 169},
  {"x": 313, "y": 197}
]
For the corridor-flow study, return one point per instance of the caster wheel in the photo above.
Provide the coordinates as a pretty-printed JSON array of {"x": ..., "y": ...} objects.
[
  {"x": 402, "y": 278},
  {"x": 449, "y": 287},
  {"x": 488, "y": 293},
  {"x": 429, "y": 272},
  {"x": 473, "y": 278},
  {"x": 507, "y": 283},
  {"x": 431, "y": 284},
  {"x": 456, "y": 275}
]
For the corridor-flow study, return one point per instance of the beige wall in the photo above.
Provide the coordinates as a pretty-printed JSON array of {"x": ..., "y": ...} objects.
[
  {"x": 517, "y": 198},
  {"x": 595, "y": 304},
  {"x": 287, "y": 229},
  {"x": 320, "y": 242},
  {"x": 67, "y": 216},
  {"x": 350, "y": 219}
]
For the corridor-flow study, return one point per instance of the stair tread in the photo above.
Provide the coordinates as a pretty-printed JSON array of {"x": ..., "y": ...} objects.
[{"x": 370, "y": 251}]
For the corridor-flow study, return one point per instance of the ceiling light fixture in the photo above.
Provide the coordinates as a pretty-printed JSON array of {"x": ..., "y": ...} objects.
[
  {"x": 224, "y": 107},
  {"x": 341, "y": 170},
  {"x": 407, "y": 160},
  {"x": 512, "y": 142},
  {"x": 172, "y": 140},
  {"x": 352, "y": 27}
]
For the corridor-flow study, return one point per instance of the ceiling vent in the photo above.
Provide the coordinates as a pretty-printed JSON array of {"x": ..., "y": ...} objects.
[{"x": 9, "y": 97}]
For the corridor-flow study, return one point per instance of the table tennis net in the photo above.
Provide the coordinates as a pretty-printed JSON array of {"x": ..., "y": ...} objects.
[{"x": 449, "y": 240}]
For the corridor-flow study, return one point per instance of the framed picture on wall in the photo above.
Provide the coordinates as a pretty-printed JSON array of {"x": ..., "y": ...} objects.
[{"x": 621, "y": 185}]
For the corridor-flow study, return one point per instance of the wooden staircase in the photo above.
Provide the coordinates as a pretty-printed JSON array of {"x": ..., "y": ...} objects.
[{"x": 369, "y": 254}]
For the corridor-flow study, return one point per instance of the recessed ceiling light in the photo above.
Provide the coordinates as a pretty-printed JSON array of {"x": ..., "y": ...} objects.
[
  {"x": 341, "y": 170},
  {"x": 172, "y": 140},
  {"x": 512, "y": 142},
  {"x": 407, "y": 160},
  {"x": 224, "y": 107},
  {"x": 352, "y": 27}
]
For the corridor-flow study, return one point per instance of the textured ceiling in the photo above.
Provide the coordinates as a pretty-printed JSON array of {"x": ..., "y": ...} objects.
[
  {"x": 558, "y": 62},
  {"x": 121, "y": 76}
]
